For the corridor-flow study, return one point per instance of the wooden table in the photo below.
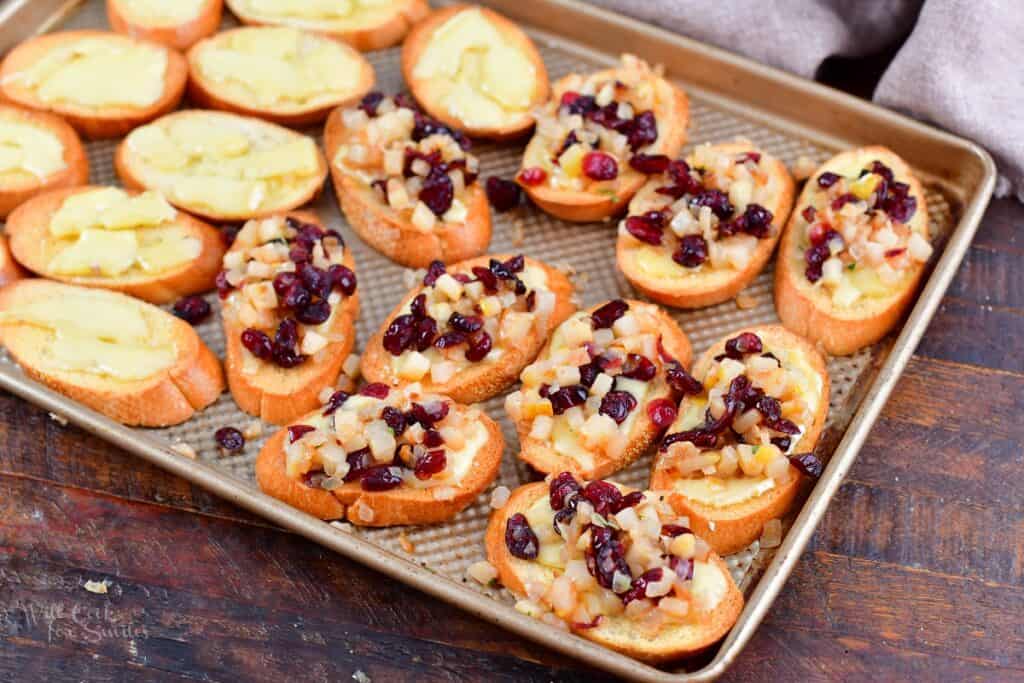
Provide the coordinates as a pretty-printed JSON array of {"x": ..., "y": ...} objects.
[{"x": 917, "y": 571}]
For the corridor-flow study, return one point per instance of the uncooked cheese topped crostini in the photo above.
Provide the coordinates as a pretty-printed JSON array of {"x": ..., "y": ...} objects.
[
  {"x": 174, "y": 23},
  {"x": 701, "y": 229},
  {"x": 407, "y": 183},
  {"x": 602, "y": 390},
  {"x": 588, "y": 154}
]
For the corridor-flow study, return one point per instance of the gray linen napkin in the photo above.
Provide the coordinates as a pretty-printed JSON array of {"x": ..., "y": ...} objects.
[{"x": 962, "y": 66}]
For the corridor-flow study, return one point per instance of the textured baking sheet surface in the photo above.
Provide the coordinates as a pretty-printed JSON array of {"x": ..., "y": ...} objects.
[{"x": 586, "y": 250}]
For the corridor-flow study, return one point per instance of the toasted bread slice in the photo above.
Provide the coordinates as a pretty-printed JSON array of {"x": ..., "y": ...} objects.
[
  {"x": 368, "y": 158},
  {"x": 643, "y": 629},
  {"x": 364, "y": 26},
  {"x": 876, "y": 264},
  {"x": 168, "y": 254},
  {"x": 119, "y": 356},
  {"x": 578, "y": 169},
  {"x": 221, "y": 166},
  {"x": 476, "y": 71},
  {"x": 43, "y": 153},
  {"x": 9, "y": 268},
  {"x": 720, "y": 255},
  {"x": 347, "y": 461},
  {"x": 266, "y": 290},
  {"x": 102, "y": 83},
  {"x": 481, "y": 351},
  {"x": 596, "y": 361},
  {"x": 730, "y": 506},
  {"x": 178, "y": 24},
  {"x": 279, "y": 74}
]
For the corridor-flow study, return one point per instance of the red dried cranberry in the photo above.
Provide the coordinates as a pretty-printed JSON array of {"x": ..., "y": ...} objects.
[
  {"x": 561, "y": 489},
  {"x": 716, "y": 200},
  {"x": 192, "y": 309},
  {"x": 435, "y": 270},
  {"x": 643, "y": 130},
  {"x": 504, "y": 195},
  {"x": 638, "y": 589},
  {"x": 647, "y": 228},
  {"x": 809, "y": 213},
  {"x": 808, "y": 463},
  {"x": 749, "y": 156},
  {"x": 479, "y": 346},
  {"x": 682, "y": 568},
  {"x": 603, "y": 496},
  {"x": 229, "y": 440},
  {"x": 568, "y": 397},
  {"x": 782, "y": 442},
  {"x": 228, "y": 233},
  {"x": 358, "y": 463},
  {"x": 315, "y": 313},
  {"x": 579, "y": 104},
  {"x": 639, "y": 367},
  {"x": 465, "y": 323},
  {"x": 682, "y": 382},
  {"x": 375, "y": 390},
  {"x": 898, "y": 203},
  {"x": 438, "y": 191},
  {"x": 818, "y": 233},
  {"x": 224, "y": 287},
  {"x": 423, "y": 337},
  {"x": 515, "y": 264},
  {"x": 600, "y": 166},
  {"x": 298, "y": 254},
  {"x": 757, "y": 221},
  {"x": 699, "y": 437},
  {"x": 428, "y": 417},
  {"x": 682, "y": 179},
  {"x": 394, "y": 418},
  {"x": 314, "y": 479},
  {"x": 449, "y": 340},
  {"x": 432, "y": 439},
  {"x": 487, "y": 278},
  {"x": 606, "y": 316},
  {"x": 370, "y": 102},
  {"x": 380, "y": 478},
  {"x": 563, "y": 518},
  {"x": 399, "y": 334},
  {"x": 692, "y": 251},
  {"x": 533, "y": 176},
  {"x": 890, "y": 253},
  {"x": 606, "y": 556},
  {"x": 662, "y": 412},
  {"x": 842, "y": 200},
  {"x": 336, "y": 401},
  {"x": 617, "y": 405},
  {"x": 827, "y": 179},
  {"x": 430, "y": 464},
  {"x": 650, "y": 164},
  {"x": 629, "y": 500},
  {"x": 296, "y": 297},
  {"x": 287, "y": 334},
  {"x": 424, "y": 127},
  {"x": 588, "y": 373},
  {"x": 343, "y": 278},
  {"x": 742, "y": 344},
  {"x": 283, "y": 282},
  {"x": 258, "y": 344},
  {"x": 520, "y": 539},
  {"x": 673, "y": 530},
  {"x": 296, "y": 432}
]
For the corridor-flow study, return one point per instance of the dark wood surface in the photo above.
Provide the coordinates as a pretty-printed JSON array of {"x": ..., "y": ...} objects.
[{"x": 916, "y": 573}]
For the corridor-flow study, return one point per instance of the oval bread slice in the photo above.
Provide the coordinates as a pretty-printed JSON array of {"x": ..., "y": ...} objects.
[
  {"x": 119, "y": 356},
  {"x": 178, "y": 24},
  {"x": 37, "y": 247},
  {"x": 119, "y": 83}
]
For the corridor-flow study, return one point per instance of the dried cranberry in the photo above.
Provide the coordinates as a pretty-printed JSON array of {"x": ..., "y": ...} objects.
[
  {"x": 375, "y": 390},
  {"x": 682, "y": 568},
  {"x": 650, "y": 164},
  {"x": 229, "y": 439},
  {"x": 617, "y": 405},
  {"x": 395, "y": 419},
  {"x": 487, "y": 278},
  {"x": 298, "y": 254},
  {"x": 600, "y": 166},
  {"x": 336, "y": 401},
  {"x": 315, "y": 313},
  {"x": 568, "y": 397},
  {"x": 449, "y": 340},
  {"x": 438, "y": 191},
  {"x": 603, "y": 496},
  {"x": 579, "y": 104},
  {"x": 682, "y": 178},
  {"x": 228, "y": 233},
  {"x": 809, "y": 213},
  {"x": 399, "y": 334},
  {"x": 716, "y": 200},
  {"x": 504, "y": 195},
  {"x": 465, "y": 323},
  {"x": 606, "y": 556},
  {"x": 643, "y": 130},
  {"x": 782, "y": 442},
  {"x": 314, "y": 479},
  {"x": 343, "y": 278},
  {"x": 638, "y": 589},
  {"x": 588, "y": 373},
  {"x": 358, "y": 463},
  {"x": 648, "y": 227},
  {"x": 749, "y": 156},
  {"x": 424, "y": 127},
  {"x": 662, "y": 412},
  {"x": 606, "y": 316},
  {"x": 283, "y": 282},
  {"x": 296, "y": 297},
  {"x": 827, "y": 179},
  {"x": 562, "y": 518},
  {"x": 192, "y": 309},
  {"x": 515, "y": 264},
  {"x": 842, "y": 200},
  {"x": 561, "y": 489},
  {"x": 296, "y": 432},
  {"x": 520, "y": 539},
  {"x": 432, "y": 439},
  {"x": 426, "y": 331},
  {"x": 757, "y": 221},
  {"x": 380, "y": 478},
  {"x": 286, "y": 357},
  {"x": 532, "y": 176},
  {"x": 224, "y": 287},
  {"x": 784, "y": 426},
  {"x": 370, "y": 102},
  {"x": 692, "y": 251},
  {"x": 673, "y": 530},
  {"x": 639, "y": 367},
  {"x": 682, "y": 382},
  {"x": 742, "y": 344},
  {"x": 258, "y": 344},
  {"x": 435, "y": 270},
  {"x": 699, "y": 437},
  {"x": 629, "y": 500},
  {"x": 479, "y": 345},
  {"x": 808, "y": 463},
  {"x": 430, "y": 464}
]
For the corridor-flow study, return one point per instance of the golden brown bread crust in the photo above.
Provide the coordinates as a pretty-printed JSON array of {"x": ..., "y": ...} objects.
[
  {"x": 366, "y": 39},
  {"x": 178, "y": 37},
  {"x": 389, "y": 508},
  {"x": 110, "y": 122},
  {"x": 9, "y": 269},
  {"x": 699, "y": 294},
  {"x": 673, "y": 115},
  {"x": 76, "y": 163},
  {"x": 417, "y": 42},
  {"x": 388, "y": 232},
  {"x": 280, "y": 395},
  {"x": 733, "y": 528},
  {"x": 170, "y": 397},
  {"x": 661, "y": 647},
  {"x": 28, "y": 230},
  {"x": 205, "y": 93},
  {"x": 644, "y": 433},
  {"x": 809, "y": 312},
  {"x": 125, "y": 165},
  {"x": 482, "y": 380}
]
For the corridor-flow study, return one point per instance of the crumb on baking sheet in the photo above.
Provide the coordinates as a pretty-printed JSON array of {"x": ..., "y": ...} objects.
[
  {"x": 407, "y": 545},
  {"x": 499, "y": 497},
  {"x": 184, "y": 450},
  {"x": 745, "y": 301},
  {"x": 483, "y": 572},
  {"x": 518, "y": 232},
  {"x": 771, "y": 537},
  {"x": 59, "y": 419},
  {"x": 361, "y": 676},
  {"x": 98, "y": 587},
  {"x": 803, "y": 168},
  {"x": 253, "y": 430},
  {"x": 342, "y": 526}
]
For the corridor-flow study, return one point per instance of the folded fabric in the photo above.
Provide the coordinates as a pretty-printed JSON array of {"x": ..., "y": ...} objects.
[{"x": 959, "y": 67}]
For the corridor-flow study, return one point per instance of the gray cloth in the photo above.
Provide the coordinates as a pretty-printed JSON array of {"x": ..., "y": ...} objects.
[{"x": 961, "y": 68}]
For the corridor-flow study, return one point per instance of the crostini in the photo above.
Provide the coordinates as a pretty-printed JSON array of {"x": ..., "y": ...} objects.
[
  {"x": 594, "y": 141},
  {"x": 279, "y": 74},
  {"x": 733, "y": 458},
  {"x": 407, "y": 184},
  {"x": 38, "y": 152},
  {"x": 178, "y": 24},
  {"x": 701, "y": 229},
  {"x": 364, "y": 24},
  {"x": 119, "y": 356},
  {"x": 383, "y": 457},
  {"x": 9, "y": 268},
  {"x": 476, "y": 71},
  {"x": 108, "y": 238},
  {"x": 603, "y": 389},
  {"x": 854, "y": 251},
  {"x": 102, "y": 83},
  {"x": 221, "y": 166},
  {"x": 289, "y": 307},
  {"x": 471, "y": 328},
  {"x": 619, "y": 567}
]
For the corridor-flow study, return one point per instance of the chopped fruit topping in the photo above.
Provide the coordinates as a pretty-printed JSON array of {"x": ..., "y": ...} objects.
[{"x": 532, "y": 176}]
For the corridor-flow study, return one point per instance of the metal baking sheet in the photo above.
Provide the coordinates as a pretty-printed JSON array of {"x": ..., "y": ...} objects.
[{"x": 730, "y": 98}]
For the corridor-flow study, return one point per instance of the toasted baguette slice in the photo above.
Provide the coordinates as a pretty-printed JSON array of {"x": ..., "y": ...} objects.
[
  {"x": 393, "y": 222},
  {"x": 374, "y": 26},
  {"x": 178, "y": 24},
  {"x": 143, "y": 80},
  {"x": 494, "y": 96},
  {"x": 282, "y": 75},
  {"x": 45, "y": 153},
  {"x": 553, "y": 164},
  {"x": 277, "y": 391},
  {"x": 199, "y": 246},
  {"x": 732, "y": 524},
  {"x": 753, "y": 180},
  {"x": 315, "y": 472},
  {"x": 516, "y": 335},
  {"x": 221, "y": 166},
  {"x": 714, "y": 600},
  {"x": 119, "y": 356},
  {"x": 862, "y": 298},
  {"x": 644, "y": 343},
  {"x": 9, "y": 268}
]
